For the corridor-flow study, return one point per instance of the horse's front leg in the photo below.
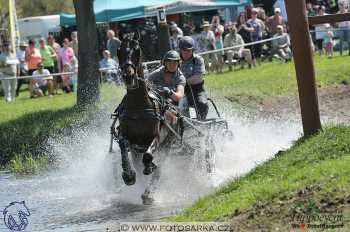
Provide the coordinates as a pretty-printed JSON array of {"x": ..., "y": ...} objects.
[
  {"x": 128, "y": 175},
  {"x": 147, "y": 158},
  {"x": 147, "y": 196}
]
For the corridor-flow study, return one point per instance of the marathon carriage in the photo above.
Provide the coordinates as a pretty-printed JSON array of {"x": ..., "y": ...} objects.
[{"x": 147, "y": 123}]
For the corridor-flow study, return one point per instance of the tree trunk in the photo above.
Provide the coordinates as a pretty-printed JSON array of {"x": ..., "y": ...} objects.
[{"x": 88, "y": 76}]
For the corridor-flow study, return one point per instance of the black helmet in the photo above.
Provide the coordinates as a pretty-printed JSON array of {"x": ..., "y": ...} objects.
[
  {"x": 171, "y": 55},
  {"x": 186, "y": 42}
]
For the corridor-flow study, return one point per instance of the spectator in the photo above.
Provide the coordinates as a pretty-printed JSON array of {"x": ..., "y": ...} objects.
[
  {"x": 262, "y": 14},
  {"x": 173, "y": 26},
  {"x": 235, "y": 39},
  {"x": 66, "y": 78},
  {"x": 56, "y": 47},
  {"x": 328, "y": 41},
  {"x": 23, "y": 68},
  {"x": 282, "y": 5},
  {"x": 33, "y": 57},
  {"x": 56, "y": 68},
  {"x": 74, "y": 68},
  {"x": 343, "y": 4},
  {"x": 320, "y": 31},
  {"x": 174, "y": 38},
  {"x": 66, "y": 54},
  {"x": 74, "y": 43},
  {"x": 48, "y": 55},
  {"x": 112, "y": 67},
  {"x": 281, "y": 46},
  {"x": 113, "y": 44},
  {"x": 218, "y": 30},
  {"x": 344, "y": 30},
  {"x": 310, "y": 10},
  {"x": 41, "y": 84},
  {"x": 206, "y": 42},
  {"x": 9, "y": 68},
  {"x": 274, "y": 21},
  {"x": 256, "y": 32}
]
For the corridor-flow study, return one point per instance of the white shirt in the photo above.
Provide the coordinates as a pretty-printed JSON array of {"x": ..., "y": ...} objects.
[
  {"x": 21, "y": 56},
  {"x": 42, "y": 80}
]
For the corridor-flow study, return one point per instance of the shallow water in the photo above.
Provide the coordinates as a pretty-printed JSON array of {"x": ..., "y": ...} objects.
[{"x": 82, "y": 194}]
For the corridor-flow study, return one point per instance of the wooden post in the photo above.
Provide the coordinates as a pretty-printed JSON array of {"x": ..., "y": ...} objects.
[
  {"x": 304, "y": 65},
  {"x": 163, "y": 39}
]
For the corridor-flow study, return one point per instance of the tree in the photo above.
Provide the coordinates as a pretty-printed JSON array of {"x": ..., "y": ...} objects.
[
  {"x": 88, "y": 76},
  {"x": 43, "y": 7}
]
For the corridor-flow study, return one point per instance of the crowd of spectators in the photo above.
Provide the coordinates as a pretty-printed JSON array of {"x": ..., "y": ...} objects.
[
  {"x": 254, "y": 25},
  {"x": 251, "y": 26}
]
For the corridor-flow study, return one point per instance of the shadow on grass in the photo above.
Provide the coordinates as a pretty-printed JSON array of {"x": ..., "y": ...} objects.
[{"x": 28, "y": 134}]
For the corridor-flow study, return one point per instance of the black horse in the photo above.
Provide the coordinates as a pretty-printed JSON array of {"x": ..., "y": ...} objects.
[{"x": 142, "y": 125}]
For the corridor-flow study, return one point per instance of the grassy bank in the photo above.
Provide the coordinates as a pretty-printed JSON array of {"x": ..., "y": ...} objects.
[
  {"x": 26, "y": 124},
  {"x": 277, "y": 79},
  {"x": 311, "y": 178}
]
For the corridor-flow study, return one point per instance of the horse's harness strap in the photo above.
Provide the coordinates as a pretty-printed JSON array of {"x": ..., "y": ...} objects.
[{"x": 141, "y": 114}]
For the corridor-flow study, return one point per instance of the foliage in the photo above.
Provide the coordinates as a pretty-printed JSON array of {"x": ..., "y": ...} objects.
[
  {"x": 42, "y": 7},
  {"x": 35, "y": 8}
]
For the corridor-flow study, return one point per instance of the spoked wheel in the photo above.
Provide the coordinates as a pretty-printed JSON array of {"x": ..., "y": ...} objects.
[
  {"x": 228, "y": 134},
  {"x": 210, "y": 155}
]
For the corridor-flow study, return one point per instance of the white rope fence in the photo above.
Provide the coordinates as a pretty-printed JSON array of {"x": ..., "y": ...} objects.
[
  {"x": 227, "y": 48},
  {"x": 144, "y": 63}
]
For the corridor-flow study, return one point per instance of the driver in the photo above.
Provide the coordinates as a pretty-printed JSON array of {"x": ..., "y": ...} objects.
[
  {"x": 169, "y": 77},
  {"x": 193, "y": 68}
]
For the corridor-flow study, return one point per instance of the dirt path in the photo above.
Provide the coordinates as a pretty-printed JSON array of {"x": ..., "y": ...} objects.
[{"x": 334, "y": 103}]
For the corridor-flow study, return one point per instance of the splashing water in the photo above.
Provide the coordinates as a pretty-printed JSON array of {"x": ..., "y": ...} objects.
[{"x": 82, "y": 193}]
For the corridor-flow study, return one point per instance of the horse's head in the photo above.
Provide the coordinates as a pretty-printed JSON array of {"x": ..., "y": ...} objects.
[
  {"x": 130, "y": 76},
  {"x": 130, "y": 59}
]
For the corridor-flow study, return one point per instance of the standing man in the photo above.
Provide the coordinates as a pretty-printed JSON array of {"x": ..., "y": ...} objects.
[
  {"x": 48, "y": 55},
  {"x": 193, "y": 69},
  {"x": 23, "y": 68},
  {"x": 8, "y": 69},
  {"x": 274, "y": 21},
  {"x": 113, "y": 44},
  {"x": 33, "y": 57},
  {"x": 206, "y": 42}
]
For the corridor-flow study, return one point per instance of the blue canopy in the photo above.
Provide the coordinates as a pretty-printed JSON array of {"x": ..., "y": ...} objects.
[{"x": 118, "y": 10}]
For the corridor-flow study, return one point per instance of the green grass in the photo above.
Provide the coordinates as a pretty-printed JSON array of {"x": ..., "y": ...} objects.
[
  {"x": 277, "y": 79},
  {"x": 26, "y": 124},
  {"x": 311, "y": 177}
]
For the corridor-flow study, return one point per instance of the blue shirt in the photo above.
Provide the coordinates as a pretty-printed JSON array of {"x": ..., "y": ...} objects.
[
  {"x": 108, "y": 63},
  {"x": 157, "y": 77},
  {"x": 193, "y": 66}
]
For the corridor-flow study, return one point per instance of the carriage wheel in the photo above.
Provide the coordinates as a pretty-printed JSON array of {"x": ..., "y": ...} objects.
[
  {"x": 228, "y": 135},
  {"x": 210, "y": 155}
]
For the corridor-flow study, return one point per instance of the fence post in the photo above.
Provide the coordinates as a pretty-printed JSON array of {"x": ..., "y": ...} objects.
[{"x": 304, "y": 65}]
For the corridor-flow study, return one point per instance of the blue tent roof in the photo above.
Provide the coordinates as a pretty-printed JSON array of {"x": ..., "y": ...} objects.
[{"x": 120, "y": 10}]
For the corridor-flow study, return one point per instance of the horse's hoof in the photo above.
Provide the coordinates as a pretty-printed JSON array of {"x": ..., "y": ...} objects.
[
  {"x": 147, "y": 200},
  {"x": 129, "y": 178},
  {"x": 149, "y": 168}
]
